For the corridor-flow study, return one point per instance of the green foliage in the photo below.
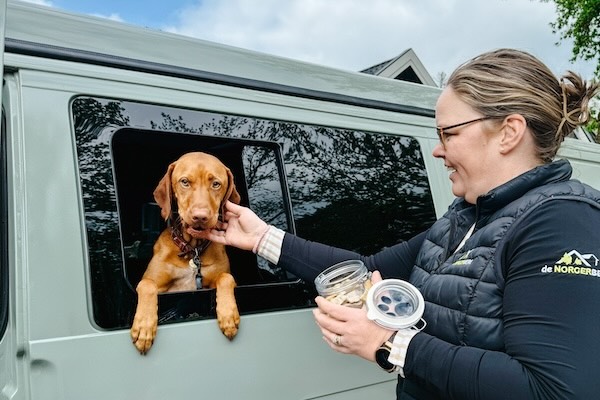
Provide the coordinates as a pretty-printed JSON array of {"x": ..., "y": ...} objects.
[
  {"x": 580, "y": 20},
  {"x": 594, "y": 125}
]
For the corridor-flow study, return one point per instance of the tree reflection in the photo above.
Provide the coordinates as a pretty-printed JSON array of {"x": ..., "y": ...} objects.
[
  {"x": 356, "y": 190},
  {"x": 94, "y": 123}
]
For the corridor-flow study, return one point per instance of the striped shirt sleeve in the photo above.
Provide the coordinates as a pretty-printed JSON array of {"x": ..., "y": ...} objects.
[
  {"x": 270, "y": 244},
  {"x": 400, "y": 347}
]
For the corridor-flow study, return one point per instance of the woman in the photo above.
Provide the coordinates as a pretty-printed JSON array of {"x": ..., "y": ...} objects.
[{"x": 508, "y": 274}]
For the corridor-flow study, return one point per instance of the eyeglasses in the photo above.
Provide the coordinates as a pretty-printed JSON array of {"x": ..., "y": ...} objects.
[{"x": 442, "y": 134}]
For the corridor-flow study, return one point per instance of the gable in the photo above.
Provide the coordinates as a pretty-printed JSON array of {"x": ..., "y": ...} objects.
[{"x": 405, "y": 67}]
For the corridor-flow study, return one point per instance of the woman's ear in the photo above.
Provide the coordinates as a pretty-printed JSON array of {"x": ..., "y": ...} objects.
[{"x": 513, "y": 133}]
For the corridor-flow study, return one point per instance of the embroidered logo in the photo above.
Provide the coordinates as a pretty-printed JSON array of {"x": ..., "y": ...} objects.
[
  {"x": 464, "y": 259},
  {"x": 575, "y": 263}
]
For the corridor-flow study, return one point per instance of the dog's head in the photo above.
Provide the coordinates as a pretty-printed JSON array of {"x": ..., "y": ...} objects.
[{"x": 197, "y": 185}]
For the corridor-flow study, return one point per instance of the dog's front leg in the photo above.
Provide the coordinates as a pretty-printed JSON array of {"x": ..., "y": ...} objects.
[
  {"x": 228, "y": 315},
  {"x": 145, "y": 322}
]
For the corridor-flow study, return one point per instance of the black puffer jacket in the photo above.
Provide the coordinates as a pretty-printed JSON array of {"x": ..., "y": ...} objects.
[
  {"x": 513, "y": 314},
  {"x": 464, "y": 290}
]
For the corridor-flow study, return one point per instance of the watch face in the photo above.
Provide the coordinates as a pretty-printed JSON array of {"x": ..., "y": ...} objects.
[{"x": 381, "y": 357}]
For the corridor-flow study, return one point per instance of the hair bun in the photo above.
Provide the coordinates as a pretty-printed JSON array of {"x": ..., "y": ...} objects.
[{"x": 576, "y": 96}]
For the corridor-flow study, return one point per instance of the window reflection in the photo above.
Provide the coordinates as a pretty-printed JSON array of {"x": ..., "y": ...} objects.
[{"x": 357, "y": 190}]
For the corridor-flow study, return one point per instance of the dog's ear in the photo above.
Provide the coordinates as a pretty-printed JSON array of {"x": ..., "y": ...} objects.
[
  {"x": 232, "y": 193},
  {"x": 163, "y": 193}
]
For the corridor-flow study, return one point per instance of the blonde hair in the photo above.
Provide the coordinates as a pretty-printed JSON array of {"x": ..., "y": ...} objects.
[{"x": 507, "y": 81}]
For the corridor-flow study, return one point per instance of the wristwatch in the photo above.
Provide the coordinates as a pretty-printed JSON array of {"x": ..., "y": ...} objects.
[{"x": 382, "y": 354}]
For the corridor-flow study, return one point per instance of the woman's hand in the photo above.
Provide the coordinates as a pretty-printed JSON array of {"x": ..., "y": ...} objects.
[
  {"x": 241, "y": 228},
  {"x": 348, "y": 330}
]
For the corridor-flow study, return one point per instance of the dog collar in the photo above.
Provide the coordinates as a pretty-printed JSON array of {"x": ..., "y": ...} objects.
[{"x": 187, "y": 250}]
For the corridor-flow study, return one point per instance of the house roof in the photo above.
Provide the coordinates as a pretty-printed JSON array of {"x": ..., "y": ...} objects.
[{"x": 406, "y": 67}]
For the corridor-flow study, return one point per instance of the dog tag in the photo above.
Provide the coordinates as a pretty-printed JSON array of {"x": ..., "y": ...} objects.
[{"x": 195, "y": 267}]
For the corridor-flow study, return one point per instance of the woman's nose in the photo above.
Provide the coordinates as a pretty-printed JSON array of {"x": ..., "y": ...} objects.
[{"x": 438, "y": 151}]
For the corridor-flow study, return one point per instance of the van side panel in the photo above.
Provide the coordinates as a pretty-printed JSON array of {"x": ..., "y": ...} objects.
[
  {"x": 267, "y": 359},
  {"x": 276, "y": 354},
  {"x": 585, "y": 159},
  {"x": 12, "y": 373}
]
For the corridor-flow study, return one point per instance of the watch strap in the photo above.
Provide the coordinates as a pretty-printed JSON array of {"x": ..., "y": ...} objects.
[
  {"x": 390, "y": 341},
  {"x": 400, "y": 348},
  {"x": 382, "y": 355}
]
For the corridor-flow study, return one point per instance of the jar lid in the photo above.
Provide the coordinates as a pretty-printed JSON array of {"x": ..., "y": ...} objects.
[{"x": 395, "y": 304}]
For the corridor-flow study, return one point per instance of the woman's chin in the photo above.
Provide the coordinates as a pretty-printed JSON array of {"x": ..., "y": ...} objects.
[{"x": 458, "y": 190}]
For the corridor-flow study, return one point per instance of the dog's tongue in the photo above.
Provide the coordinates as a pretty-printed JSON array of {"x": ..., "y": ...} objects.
[{"x": 195, "y": 233}]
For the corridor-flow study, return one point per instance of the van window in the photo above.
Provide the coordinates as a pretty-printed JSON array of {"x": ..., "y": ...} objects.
[
  {"x": 3, "y": 228},
  {"x": 140, "y": 159},
  {"x": 358, "y": 190}
]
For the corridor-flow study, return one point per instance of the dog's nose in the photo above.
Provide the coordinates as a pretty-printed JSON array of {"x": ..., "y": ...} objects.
[{"x": 200, "y": 215}]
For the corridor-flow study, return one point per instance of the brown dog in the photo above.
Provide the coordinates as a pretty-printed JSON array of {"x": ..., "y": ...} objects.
[{"x": 196, "y": 185}]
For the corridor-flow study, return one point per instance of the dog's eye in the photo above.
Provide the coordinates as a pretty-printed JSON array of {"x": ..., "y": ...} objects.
[
  {"x": 184, "y": 182},
  {"x": 216, "y": 185}
]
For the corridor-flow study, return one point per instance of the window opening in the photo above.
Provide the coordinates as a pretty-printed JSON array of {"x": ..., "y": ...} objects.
[
  {"x": 140, "y": 159},
  {"x": 338, "y": 181}
]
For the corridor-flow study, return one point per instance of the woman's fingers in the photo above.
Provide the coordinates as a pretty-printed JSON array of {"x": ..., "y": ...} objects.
[
  {"x": 335, "y": 311},
  {"x": 233, "y": 208},
  {"x": 376, "y": 277},
  {"x": 332, "y": 318},
  {"x": 348, "y": 330}
]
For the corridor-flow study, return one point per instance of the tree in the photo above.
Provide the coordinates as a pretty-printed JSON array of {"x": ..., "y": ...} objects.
[{"x": 580, "y": 20}]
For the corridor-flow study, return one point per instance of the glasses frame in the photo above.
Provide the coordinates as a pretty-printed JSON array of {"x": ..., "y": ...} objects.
[{"x": 442, "y": 135}]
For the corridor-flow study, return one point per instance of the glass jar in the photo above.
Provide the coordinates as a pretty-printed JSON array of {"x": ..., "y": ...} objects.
[{"x": 345, "y": 283}]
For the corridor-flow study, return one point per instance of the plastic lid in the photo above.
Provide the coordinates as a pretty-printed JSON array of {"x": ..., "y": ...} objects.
[{"x": 395, "y": 304}]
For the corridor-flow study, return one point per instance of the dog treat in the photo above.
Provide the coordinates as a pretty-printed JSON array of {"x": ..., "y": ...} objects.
[
  {"x": 345, "y": 283},
  {"x": 352, "y": 298}
]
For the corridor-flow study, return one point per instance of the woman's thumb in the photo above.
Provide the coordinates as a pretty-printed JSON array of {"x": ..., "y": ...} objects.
[{"x": 375, "y": 277}]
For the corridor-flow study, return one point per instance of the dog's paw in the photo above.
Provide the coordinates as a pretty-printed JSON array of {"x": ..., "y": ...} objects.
[
  {"x": 143, "y": 332},
  {"x": 229, "y": 320}
]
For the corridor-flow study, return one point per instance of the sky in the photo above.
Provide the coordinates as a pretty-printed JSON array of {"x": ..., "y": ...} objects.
[{"x": 354, "y": 34}]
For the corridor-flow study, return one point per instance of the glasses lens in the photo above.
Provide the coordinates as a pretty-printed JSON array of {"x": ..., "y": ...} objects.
[{"x": 440, "y": 133}]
